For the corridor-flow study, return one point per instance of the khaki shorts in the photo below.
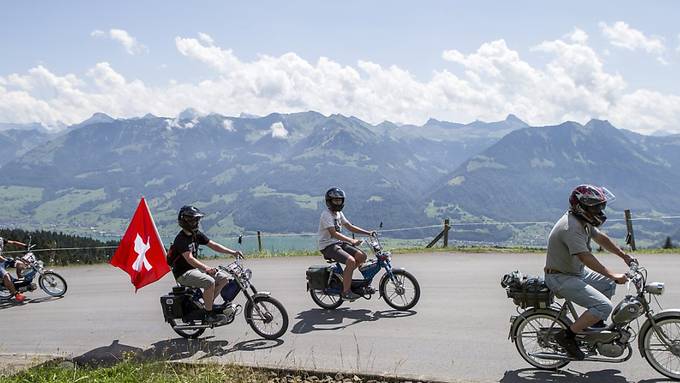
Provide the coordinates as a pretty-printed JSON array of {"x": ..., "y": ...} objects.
[{"x": 197, "y": 278}]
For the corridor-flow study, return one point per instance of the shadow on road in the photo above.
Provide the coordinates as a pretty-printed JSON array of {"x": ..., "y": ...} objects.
[
  {"x": 325, "y": 320},
  {"x": 172, "y": 349},
  {"x": 563, "y": 376},
  {"x": 9, "y": 303}
]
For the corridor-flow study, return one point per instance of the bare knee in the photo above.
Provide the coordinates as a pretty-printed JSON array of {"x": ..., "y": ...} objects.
[{"x": 350, "y": 263}]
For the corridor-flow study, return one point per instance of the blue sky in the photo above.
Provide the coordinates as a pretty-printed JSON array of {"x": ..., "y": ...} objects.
[{"x": 378, "y": 60}]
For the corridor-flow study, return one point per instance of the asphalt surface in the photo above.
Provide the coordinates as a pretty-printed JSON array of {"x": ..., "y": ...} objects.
[{"x": 457, "y": 332}]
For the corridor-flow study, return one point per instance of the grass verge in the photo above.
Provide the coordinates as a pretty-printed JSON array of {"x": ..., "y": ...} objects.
[{"x": 162, "y": 372}]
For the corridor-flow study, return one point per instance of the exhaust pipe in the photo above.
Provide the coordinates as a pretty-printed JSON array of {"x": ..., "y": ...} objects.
[
  {"x": 191, "y": 327},
  {"x": 549, "y": 356}
]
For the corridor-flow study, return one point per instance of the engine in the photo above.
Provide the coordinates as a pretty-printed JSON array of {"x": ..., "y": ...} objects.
[{"x": 615, "y": 348}]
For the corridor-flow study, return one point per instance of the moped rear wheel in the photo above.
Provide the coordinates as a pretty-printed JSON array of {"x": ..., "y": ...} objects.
[
  {"x": 403, "y": 292},
  {"x": 535, "y": 334},
  {"x": 325, "y": 301},
  {"x": 267, "y": 317},
  {"x": 4, "y": 294},
  {"x": 53, "y": 284},
  {"x": 185, "y": 333},
  {"x": 664, "y": 359}
]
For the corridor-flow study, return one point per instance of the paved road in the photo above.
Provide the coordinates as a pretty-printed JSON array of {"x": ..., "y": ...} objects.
[{"x": 458, "y": 330}]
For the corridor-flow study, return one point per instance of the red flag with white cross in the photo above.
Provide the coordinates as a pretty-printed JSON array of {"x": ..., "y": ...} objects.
[{"x": 141, "y": 252}]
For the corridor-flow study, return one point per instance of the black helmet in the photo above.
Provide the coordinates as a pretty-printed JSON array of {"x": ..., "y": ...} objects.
[
  {"x": 188, "y": 218},
  {"x": 335, "y": 199}
]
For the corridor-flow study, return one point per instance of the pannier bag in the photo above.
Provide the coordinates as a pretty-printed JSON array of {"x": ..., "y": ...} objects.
[
  {"x": 527, "y": 290},
  {"x": 317, "y": 277}
]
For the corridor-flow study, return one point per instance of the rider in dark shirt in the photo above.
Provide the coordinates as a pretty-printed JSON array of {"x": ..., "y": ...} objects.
[{"x": 188, "y": 270}]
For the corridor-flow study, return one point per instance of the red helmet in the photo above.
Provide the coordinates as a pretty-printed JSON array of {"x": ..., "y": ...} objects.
[{"x": 588, "y": 202}]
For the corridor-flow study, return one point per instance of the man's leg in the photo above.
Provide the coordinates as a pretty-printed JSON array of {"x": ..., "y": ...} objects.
[
  {"x": 7, "y": 281},
  {"x": 597, "y": 304},
  {"x": 221, "y": 280}
]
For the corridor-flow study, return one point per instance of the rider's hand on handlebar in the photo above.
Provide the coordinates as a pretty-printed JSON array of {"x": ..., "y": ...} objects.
[
  {"x": 630, "y": 260},
  {"x": 373, "y": 233},
  {"x": 357, "y": 242},
  {"x": 211, "y": 271},
  {"x": 620, "y": 278},
  {"x": 238, "y": 255}
]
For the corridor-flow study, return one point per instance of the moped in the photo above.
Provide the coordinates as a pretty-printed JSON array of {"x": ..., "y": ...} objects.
[
  {"x": 183, "y": 307},
  {"x": 398, "y": 287},
  {"x": 49, "y": 281},
  {"x": 533, "y": 330}
]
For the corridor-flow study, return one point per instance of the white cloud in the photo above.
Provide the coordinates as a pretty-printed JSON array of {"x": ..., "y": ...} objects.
[
  {"x": 228, "y": 125},
  {"x": 278, "y": 130},
  {"x": 485, "y": 84},
  {"x": 131, "y": 45},
  {"x": 204, "y": 37},
  {"x": 622, "y": 35}
]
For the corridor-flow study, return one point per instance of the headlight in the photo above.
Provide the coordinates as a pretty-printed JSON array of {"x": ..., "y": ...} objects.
[
  {"x": 247, "y": 274},
  {"x": 655, "y": 288}
]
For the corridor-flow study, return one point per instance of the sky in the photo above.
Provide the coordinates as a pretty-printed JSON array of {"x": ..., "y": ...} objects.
[{"x": 400, "y": 61}]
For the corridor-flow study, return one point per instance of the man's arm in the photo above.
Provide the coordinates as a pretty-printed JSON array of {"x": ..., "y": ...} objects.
[
  {"x": 357, "y": 229},
  {"x": 589, "y": 260},
  {"x": 603, "y": 240},
  {"x": 337, "y": 235},
  {"x": 195, "y": 262},
  {"x": 223, "y": 249}
]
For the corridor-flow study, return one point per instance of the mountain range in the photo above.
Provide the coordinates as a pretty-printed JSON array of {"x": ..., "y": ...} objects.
[{"x": 269, "y": 173}]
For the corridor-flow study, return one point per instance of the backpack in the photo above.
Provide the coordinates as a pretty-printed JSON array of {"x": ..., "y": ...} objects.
[
  {"x": 171, "y": 257},
  {"x": 527, "y": 291}
]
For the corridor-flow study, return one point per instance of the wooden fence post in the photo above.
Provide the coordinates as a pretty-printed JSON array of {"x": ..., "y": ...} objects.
[
  {"x": 630, "y": 237},
  {"x": 259, "y": 241},
  {"x": 444, "y": 232}
]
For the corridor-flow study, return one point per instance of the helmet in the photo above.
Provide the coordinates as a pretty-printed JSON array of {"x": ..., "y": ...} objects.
[
  {"x": 188, "y": 218},
  {"x": 588, "y": 202},
  {"x": 335, "y": 199}
]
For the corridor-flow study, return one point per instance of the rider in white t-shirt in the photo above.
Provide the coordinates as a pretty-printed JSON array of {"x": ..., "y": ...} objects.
[{"x": 336, "y": 246}]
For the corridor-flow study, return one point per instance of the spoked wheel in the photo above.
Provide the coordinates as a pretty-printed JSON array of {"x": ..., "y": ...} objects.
[
  {"x": 53, "y": 284},
  {"x": 325, "y": 301},
  {"x": 660, "y": 356},
  {"x": 267, "y": 317},
  {"x": 403, "y": 292},
  {"x": 535, "y": 334},
  {"x": 189, "y": 334}
]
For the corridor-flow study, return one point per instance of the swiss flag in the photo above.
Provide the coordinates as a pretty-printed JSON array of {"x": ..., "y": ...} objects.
[{"x": 141, "y": 252}]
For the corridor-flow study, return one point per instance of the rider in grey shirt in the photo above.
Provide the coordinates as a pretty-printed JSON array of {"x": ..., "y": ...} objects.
[{"x": 569, "y": 253}]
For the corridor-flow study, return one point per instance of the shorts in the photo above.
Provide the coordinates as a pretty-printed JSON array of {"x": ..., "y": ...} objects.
[
  {"x": 199, "y": 279},
  {"x": 339, "y": 252},
  {"x": 590, "y": 290}
]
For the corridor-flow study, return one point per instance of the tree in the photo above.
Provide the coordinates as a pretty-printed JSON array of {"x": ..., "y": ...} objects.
[{"x": 668, "y": 244}]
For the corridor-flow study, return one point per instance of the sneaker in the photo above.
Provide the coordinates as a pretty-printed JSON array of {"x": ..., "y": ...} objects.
[
  {"x": 213, "y": 318},
  {"x": 350, "y": 296},
  {"x": 19, "y": 297},
  {"x": 599, "y": 326},
  {"x": 569, "y": 344}
]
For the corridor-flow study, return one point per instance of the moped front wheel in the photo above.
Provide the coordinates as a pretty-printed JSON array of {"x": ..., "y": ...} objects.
[
  {"x": 535, "y": 335},
  {"x": 267, "y": 317},
  {"x": 53, "y": 284},
  {"x": 663, "y": 357},
  {"x": 401, "y": 292}
]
